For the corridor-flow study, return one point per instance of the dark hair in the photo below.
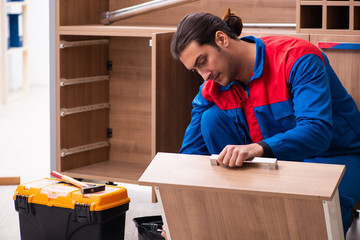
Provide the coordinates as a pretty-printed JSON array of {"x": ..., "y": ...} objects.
[{"x": 201, "y": 27}]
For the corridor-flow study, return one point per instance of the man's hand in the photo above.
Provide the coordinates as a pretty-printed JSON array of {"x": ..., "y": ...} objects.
[
  {"x": 163, "y": 233},
  {"x": 235, "y": 155}
]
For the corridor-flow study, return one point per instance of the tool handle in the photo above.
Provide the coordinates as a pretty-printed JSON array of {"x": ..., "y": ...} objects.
[
  {"x": 68, "y": 179},
  {"x": 272, "y": 162}
]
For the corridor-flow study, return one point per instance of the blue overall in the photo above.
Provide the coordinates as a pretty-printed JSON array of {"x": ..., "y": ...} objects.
[{"x": 294, "y": 104}]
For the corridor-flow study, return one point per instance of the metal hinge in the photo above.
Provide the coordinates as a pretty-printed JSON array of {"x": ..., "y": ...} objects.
[
  {"x": 109, "y": 65},
  {"x": 109, "y": 132}
]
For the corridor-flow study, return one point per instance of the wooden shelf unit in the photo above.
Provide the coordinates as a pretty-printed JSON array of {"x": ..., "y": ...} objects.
[
  {"x": 325, "y": 16},
  {"x": 5, "y": 52},
  {"x": 145, "y": 103}
]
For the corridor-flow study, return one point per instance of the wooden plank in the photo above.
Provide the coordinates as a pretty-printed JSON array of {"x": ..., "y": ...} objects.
[
  {"x": 9, "y": 180},
  {"x": 130, "y": 99},
  {"x": 199, "y": 214},
  {"x": 147, "y": 31},
  {"x": 125, "y": 31},
  {"x": 292, "y": 179}
]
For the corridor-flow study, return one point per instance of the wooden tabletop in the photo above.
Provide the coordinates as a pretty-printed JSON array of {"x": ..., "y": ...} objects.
[{"x": 291, "y": 179}]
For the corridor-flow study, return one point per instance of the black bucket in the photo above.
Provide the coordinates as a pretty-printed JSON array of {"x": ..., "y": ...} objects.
[{"x": 149, "y": 228}]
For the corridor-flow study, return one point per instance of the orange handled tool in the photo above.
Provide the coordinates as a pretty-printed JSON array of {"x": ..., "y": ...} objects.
[{"x": 85, "y": 188}]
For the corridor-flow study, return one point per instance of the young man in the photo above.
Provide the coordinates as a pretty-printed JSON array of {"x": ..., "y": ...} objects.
[{"x": 273, "y": 97}]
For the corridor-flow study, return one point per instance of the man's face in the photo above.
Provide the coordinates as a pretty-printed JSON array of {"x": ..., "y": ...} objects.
[{"x": 211, "y": 63}]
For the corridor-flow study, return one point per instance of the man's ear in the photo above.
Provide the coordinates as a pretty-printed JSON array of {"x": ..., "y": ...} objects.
[{"x": 221, "y": 39}]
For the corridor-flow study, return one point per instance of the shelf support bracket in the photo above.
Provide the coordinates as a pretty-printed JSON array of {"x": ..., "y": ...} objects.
[
  {"x": 68, "y": 151},
  {"x": 66, "y": 44},
  {"x": 68, "y": 111},
  {"x": 72, "y": 81}
]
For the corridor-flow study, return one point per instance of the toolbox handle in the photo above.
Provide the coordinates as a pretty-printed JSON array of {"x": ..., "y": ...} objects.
[
  {"x": 22, "y": 204},
  {"x": 82, "y": 213}
]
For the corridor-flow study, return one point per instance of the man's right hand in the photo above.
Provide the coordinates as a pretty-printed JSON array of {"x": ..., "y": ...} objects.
[{"x": 236, "y": 155}]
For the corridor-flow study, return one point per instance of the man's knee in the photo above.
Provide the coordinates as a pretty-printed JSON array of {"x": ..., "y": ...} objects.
[
  {"x": 220, "y": 129},
  {"x": 212, "y": 119}
]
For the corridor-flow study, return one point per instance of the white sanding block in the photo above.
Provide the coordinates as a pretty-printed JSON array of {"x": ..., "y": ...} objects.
[{"x": 271, "y": 162}]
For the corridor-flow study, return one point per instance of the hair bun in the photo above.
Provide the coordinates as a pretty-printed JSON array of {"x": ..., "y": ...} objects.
[{"x": 234, "y": 22}]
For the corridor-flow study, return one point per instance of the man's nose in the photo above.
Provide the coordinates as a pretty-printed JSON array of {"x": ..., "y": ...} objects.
[{"x": 205, "y": 74}]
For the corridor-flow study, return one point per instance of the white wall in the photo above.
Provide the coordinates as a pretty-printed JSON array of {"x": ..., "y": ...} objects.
[{"x": 38, "y": 41}]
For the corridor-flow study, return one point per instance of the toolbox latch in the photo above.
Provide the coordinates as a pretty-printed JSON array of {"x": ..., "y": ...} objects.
[
  {"x": 82, "y": 212},
  {"x": 22, "y": 204}
]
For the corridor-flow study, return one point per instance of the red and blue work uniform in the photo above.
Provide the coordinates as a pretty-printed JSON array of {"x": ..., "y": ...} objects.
[{"x": 294, "y": 106}]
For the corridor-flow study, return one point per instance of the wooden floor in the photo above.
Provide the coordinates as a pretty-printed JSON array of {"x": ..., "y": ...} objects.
[{"x": 24, "y": 152}]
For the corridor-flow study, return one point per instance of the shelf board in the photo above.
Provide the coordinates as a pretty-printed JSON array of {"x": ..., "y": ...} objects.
[
  {"x": 102, "y": 30},
  {"x": 288, "y": 31},
  {"x": 310, "y": 30},
  {"x": 311, "y": 3},
  {"x": 113, "y": 171},
  {"x": 338, "y": 3},
  {"x": 136, "y": 31},
  {"x": 329, "y": 31}
]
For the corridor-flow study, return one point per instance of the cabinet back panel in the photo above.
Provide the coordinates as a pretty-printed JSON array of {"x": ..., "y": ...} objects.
[
  {"x": 79, "y": 12},
  {"x": 130, "y": 99},
  {"x": 83, "y": 61},
  {"x": 84, "y": 94},
  {"x": 87, "y": 127},
  {"x": 84, "y": 159},
  {"x": 87, "y": 61},
  {"x": 84, "y": 128},
  {"x": 275, "y": 11}
]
